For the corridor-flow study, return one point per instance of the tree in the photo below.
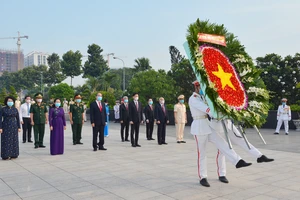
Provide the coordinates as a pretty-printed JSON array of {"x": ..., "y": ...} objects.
[
  {"x": 71, "y": 64},
  {"x": 3, "y": 94},
  {"x": 176, "y": 57},
  {"x": 105, "y": 95},
  {"x": 54, "y": 75},
  {"x": 95, "y": 66},
  {"x": 92, "y": 83},
  {"x": 13, "y": 92},
  {"x": 142, "y": 64},
  {"x": 153, "y": 84},
  {"x": 62, "y": 90}
]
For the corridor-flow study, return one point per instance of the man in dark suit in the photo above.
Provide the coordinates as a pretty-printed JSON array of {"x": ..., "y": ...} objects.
[
  {"x": 124, "y": 119},
  {"x": 162, "y": 119},
  {"x": 149, "y": 115},
  {"x": 98, "y": 121},
  {"x": 135, "y": 118}
]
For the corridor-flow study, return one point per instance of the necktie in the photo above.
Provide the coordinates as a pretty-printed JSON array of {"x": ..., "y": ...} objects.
[
  {"x": 28, "y": 109},
  {"x": 126, "y": 106},
  {"x": 100, "y": 106},
  {"x": 151, "y": 107},
  {"x": 137, "y": 106},
  {"x": 163, "y": 108}
]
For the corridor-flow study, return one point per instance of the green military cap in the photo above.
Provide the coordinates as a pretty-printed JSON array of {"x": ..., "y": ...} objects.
[{"x": 38, "y": 95}]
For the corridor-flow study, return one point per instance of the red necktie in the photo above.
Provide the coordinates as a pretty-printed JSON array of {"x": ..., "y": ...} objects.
[
  {"x": 151, "y": 107},
  {"x": 100, "y": 106},
  {"x": 126, "y": 106},
  {"x": 163, "y": 108},
  {"x": 137, "y": 106}
]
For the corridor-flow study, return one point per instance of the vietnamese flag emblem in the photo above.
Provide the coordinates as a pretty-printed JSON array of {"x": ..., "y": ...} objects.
[{"x": 221, "y": 72}]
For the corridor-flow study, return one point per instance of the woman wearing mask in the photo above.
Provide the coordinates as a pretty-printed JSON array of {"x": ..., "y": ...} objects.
[
  {"x": 9, "y": 128},
  {"x": 57, "y": 126},
  {"x": 180, "y": 118},
  {"x": 107, "y": 118}
]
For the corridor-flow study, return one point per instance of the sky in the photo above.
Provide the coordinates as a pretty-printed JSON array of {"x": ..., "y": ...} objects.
[{"x": 138, "y": 28}]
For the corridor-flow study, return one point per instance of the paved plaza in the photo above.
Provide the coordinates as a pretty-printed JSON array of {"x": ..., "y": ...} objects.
[{"x": 151, "y": 172}]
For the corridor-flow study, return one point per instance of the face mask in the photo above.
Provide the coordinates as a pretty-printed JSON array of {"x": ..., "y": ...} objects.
[
  {"x": 136, "y": 98},
  {"x": 28, "y": 101},
  {"x": 283, "y": 103},
  {"x": 78, "y": 100},
  {"x": 162, "y": 102},
  {"x": 39, "y": 100},
  {"x": 126, "y": 100},
  {"x": 150, "y": 102},
  {"x": 181, "y": 101},
  {"x": 201, "y": 92},
  {"x": 10, "y": 103},
  {"x": 99, "y": 98},
  {"x": 57, "y": 104}
]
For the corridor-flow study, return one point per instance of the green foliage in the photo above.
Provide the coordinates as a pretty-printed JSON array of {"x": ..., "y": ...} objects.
[
  {"x": 54, "y": 74},
  {"x": 153, "y": 84},
  {"x": 3, "y": 94},
  {"x": 105, "y": 95},
  {"x": 142, "y": 64},
  {"x": 61, "y": 91},
  {"x": 95, "y": 66},
  {"x": 71, "y": 64},
  {"x": 295, "y": 107},
  {"x": 13, "y": 92}
]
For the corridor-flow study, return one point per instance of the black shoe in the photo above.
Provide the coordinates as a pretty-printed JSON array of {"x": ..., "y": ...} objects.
[
  {"x": 36, "y": 147},
  {"x": 42, "y": 146},
  {"x": 74, "y": 143},
  {"x": 30, "y": 141},
  {"x": 14, "y": 157},
  {"x": 24, "y": 141},
  {"x": 123, "y": 140},
  {"x": 152, "y": 139},
  {"x": 178, "y": 142},
  {"x": 138, "y": 145},
  {"x": 102, "y": 148},
  {"x": 264, "y": 158},
  {"x": 183, "y": 141},
  {"x": 204, "y": 182},
  {"x": 5, "y": 158},
  {"x": 133, "y": 145},
  {"x": 242, "y": 163},
  {"x": 159, "y": 143},
  {"x": 286, "y": 133},
  {"x": 276, "y": 133},
  {"x": 127, "y": 140},
  {"x": 148, "y": 139},
  {"x": 79, "y": 143},
  {"x": 223, "y": 179},
  {"x": 95, "y": 149},
  {"x": 165, "y": 143}
]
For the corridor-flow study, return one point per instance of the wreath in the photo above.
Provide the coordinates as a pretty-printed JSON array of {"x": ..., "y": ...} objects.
[{"x": 232, "y": 81}]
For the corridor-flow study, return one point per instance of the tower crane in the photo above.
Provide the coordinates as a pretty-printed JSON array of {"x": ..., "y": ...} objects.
[{"x": 19, "y": 46}]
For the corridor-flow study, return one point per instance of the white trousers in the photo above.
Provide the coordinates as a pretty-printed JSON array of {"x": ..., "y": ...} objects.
[
  {"x": 286, "y": 125},
  {"x": 238, "y": 140},
  {"x": 179, "y": 131},
  {"x": 220, "y": 143}
]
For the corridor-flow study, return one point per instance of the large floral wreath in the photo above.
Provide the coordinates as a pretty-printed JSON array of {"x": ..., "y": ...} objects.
[{"x": 235, "y": 87}]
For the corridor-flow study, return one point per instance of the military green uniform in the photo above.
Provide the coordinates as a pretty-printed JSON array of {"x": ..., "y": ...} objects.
[
  {"x": 39, "y": 120},
  {"x": 77, "y": 119}
]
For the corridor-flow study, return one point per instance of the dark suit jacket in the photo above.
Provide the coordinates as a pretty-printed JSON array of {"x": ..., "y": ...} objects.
[
  {"x": 124, "y": 113},
  {"x": 135, "y": 115},
  {"x": 149, "y": 114},
  {"x": 97, "y": 117},
  {"x": 160, "y": 115}
]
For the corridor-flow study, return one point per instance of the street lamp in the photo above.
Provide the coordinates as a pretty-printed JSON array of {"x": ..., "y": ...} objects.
[
  {"x": 123, "y": 72},
  {"x": 42, "y": 83}
]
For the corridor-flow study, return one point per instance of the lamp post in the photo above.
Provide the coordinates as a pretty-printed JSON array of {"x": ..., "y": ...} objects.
[
  {"x": 123, "y": 72},
  {"x": 42, "y": 83}
]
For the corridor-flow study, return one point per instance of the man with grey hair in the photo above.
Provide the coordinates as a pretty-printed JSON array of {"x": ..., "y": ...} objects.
[{"x": 124, "y": 119}]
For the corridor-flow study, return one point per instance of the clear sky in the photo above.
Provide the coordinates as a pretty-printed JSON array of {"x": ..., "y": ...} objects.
[{"x": 140, "y": 28}]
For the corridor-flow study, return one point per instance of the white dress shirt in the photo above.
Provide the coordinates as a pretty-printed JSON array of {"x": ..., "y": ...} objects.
[{"x": 24, "y": 111}]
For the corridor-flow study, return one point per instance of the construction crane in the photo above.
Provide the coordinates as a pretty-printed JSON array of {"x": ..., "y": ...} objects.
[{"x": 19, "y": 46}]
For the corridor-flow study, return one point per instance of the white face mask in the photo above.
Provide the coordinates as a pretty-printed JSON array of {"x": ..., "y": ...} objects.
[
  {"x": 162, "y": 102},
  {"x": 136, "y": 98},
  {"x": 39, "y": 100},
  {"x": 28, "y": 101}
]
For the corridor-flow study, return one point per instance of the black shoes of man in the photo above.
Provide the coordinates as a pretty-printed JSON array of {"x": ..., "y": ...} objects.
[
  {"x": 242, "y": 163},
  {"x": 204, "y": 182},
  {"x": 223, "y": 179},
  {"x": 264, "y": 158}
]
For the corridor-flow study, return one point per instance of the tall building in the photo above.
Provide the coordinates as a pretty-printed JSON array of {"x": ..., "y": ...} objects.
[
  {"x": 9, "y": 60},
  {"x": 36, "y": 58}
]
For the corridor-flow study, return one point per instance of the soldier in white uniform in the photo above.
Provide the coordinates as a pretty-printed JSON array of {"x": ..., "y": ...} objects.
[
  {"x": 203, "y": 132},
  {"x": 283, "y": 115},
  {"x": 236, "y": 138}
]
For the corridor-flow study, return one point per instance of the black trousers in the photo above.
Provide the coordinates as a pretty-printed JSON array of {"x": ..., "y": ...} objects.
[
  {"x": 125, "y": 125},
  {"x": 26, "y": 126},
  {"x": 134, "y": 133},
  {"x": 161, "y": 133},
  {"x": 149, "y": 129},
  {"x": 96, "y": 130}
]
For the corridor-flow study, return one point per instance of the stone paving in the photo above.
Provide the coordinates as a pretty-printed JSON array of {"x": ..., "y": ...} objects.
[{"x": 150, "y": 172}]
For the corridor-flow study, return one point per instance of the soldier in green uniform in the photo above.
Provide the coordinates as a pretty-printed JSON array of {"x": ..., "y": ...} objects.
[
  {"x": 76, "y": 119},
  {"x": 39, "y": 117}
]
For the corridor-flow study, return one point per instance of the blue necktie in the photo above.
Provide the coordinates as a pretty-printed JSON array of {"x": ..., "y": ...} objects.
[{"x": 28, "y": 109}]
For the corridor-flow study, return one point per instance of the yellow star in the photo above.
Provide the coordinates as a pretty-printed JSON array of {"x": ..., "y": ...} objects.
[{"x": 224, "y": 77}]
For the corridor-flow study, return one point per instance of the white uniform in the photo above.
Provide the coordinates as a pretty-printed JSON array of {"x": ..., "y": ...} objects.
[
  {"x": 283, "y": 115},
  {"x": 236, "y": 138},
  {"x": 203, "y": 132},
  {"x": 117, "y": 111}
]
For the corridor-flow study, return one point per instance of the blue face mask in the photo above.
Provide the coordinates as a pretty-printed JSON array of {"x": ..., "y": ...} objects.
[
  {"x": 57, "y": 104},
  {"x": 201, "y": 92},
  {"x": 283, "y": 103},
  {"x": 150, "y": 102},
  {"x": 10, "y": 103},
  {"x": 126, "y": 100},
  {"x": 99, "y": 98},
  {"x": 181, "y": 101},
  {"x": 78, "y": 100}
]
